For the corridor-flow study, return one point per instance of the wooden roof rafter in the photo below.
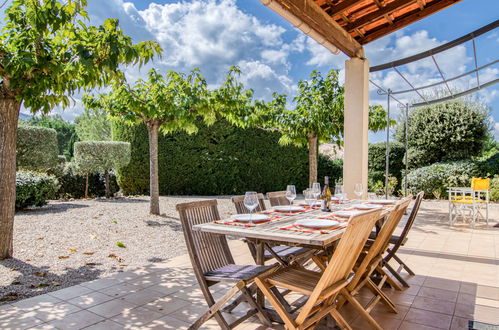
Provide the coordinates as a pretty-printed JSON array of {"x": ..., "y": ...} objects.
[{"x": 349, "y": 24}]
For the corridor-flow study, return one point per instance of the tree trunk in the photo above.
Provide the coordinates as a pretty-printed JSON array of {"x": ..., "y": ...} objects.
[
  {"x": 106, "y": 179},
  {"x": 312, "y": 159},
  {"x": 9, "y": 113},
  {"x": 86, "y": 186},
  {"x": 153, "y": 128}
]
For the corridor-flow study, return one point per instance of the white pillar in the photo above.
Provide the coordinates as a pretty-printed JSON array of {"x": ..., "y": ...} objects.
[{"x": 356, "y": 124}]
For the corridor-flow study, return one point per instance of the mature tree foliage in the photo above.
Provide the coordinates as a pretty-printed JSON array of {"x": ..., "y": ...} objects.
[
  {"x": 47, "y": 53},
  {"x": 93, "y": 125},
  {"x": 317, "y": 118},
  {"x": 65, "y": 130},
  {"x": 167, "y": 103},
  {"x": 36, "y": 148},
  {"x": 447, "y": 131},
  {"x": 100, "y": 156}
]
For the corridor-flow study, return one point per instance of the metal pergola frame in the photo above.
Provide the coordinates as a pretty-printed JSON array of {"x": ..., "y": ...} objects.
[{"x": 426, "y": 54}]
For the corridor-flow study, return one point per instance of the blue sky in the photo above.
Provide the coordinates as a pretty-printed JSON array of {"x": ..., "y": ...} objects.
[{"x": 273, "y": 56}]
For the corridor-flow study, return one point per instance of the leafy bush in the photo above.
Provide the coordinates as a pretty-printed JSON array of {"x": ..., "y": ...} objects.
[
  {"x": 377, "y": 162},
  {"x": 34, "y": 189},
  {"x": 436, "y": 178},
  {"x": 95, "y": 156},
  {"x": 494, "y": 189},
  {"x": 453, "y": 130},
  {"x": 219, "y": 159},
  {"x": 36, "y": 148},
  {"x": 72, "y": 185},
  {"x": 490, "y": 166},
  {"x": 64, "y": 129}
]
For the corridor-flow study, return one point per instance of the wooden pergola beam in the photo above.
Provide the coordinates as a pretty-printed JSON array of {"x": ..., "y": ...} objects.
[
  {"x": 388, "y": 9},
  {"x": 407, "y": 20},
  {"x": 318, "y": 20}
]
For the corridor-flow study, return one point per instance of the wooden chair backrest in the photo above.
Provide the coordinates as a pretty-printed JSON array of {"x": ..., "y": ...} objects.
[
  {"x": 239, "y": 204},
  {"x": 207, "y": 251},
  {"x": 380, "y": 244},
  {"x": 348, "y": 250},
  {"x": 411, "y": 219},
  {"x": 277, "y": 198}
]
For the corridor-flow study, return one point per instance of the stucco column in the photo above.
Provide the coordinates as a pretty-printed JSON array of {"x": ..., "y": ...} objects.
[{"x": 356, "y": 125}]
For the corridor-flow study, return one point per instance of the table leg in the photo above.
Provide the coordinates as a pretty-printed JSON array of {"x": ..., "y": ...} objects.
[{"x": 260, "y": 260}]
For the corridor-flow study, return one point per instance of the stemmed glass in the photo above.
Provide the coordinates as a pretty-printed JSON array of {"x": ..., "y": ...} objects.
[
  {"x": 358, "y": 190},
  {"x": 316, "y": 188},
  {"x": 251, "y": 202},
  {"x": 338, "y": 192},
  {"x": 309, "y": 196},
  {"x": 290, "y": 194}
]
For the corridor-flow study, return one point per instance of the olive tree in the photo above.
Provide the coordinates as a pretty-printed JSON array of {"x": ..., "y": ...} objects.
[
  {"x": 100, "y": 156},
  {"x": 93, "y": 125},
  {"x": 48, "y": 53},
  {"x": 36, "y": 148}
]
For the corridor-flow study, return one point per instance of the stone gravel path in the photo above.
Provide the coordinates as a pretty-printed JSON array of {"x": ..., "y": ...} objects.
[{"x": 66, "y": 243}]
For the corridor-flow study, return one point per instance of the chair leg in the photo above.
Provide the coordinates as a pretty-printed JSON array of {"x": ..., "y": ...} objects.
[
  {"x": 288, "y": 321},
  {"x": 214, "y": 311},
  {"x": 260, "y": 312},
  {"x": 389, "y": 279},
  {"x": 403, "y": 265},
  {"x": 343, "y": 324},
  {"x": 397, "y": 275},
  {"x": 380, "y": 295},
  {"x": 360, "y": 309}
]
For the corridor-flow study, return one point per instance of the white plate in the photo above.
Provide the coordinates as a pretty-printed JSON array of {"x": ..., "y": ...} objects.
[
  {"x": 382, "y": 201},
  {"x": 253, "y": 217},
  {"x": 303, "y": 203},
  {"x": 346, "y": 214},
  {"x": 317, "y": 223},
  {"x": 289, "y": 208},
  {"x": 367, "y": 206}
]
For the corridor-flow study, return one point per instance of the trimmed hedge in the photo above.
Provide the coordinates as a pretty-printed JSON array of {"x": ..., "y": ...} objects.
[
  {"x": 37, "y": 148},
  {"x": 95, "y": 156},
  {"x": 436, "y": 178},
  {"x": 34, "y": 189},
  {"x": 377, "y": 154},
  {"x": 219, "y": 159}
]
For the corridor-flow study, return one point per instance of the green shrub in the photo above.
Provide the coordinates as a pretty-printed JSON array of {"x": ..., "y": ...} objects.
[
  {"x": 494, "y": 189},
  {"x": 436, "y": 178},
  {"x": 99, "y": 156},
  {"x": 72, "y": 185},
  {"x": 36, "y": 148},
  {"x": 377, "y": 162},
  {"x": 448, "y": 131},
  {"x": 490, "y": 166},
  {"x": 219, "y": 159},
  {"x": 34, "y": 189}
]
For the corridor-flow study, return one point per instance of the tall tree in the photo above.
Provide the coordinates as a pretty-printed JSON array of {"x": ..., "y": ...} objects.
[
  {"x": 317, "y": 117},
  {"x": 164, "y": 103},
  {"x": 47, "y": 53},
  {"x": 93, "y": 125}
]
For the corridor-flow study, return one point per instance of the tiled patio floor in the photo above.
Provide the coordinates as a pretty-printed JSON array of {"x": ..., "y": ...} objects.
[{"x": 457, "y": 280}]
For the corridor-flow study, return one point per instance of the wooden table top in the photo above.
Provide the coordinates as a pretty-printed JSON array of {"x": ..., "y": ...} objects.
[{"x": 270, "y": 231}]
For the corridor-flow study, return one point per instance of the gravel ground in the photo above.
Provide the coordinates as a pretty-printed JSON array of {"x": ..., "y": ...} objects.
[{"x": 66, "y": 243}]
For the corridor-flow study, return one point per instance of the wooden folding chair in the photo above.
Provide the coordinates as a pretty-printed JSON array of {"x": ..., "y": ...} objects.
[
  {"x": 282, "y": 253},
  {"x": 322, "y": 288},
  {"x": 399, "y": 240},
  {"x": 277, "y": 198},
  {"x": 213, "y": 263},
  {"x": 370, "y": 261}
]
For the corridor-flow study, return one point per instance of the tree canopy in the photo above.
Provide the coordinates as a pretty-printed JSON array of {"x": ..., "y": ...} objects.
[
  {"x": 93, "y": 125},
  {"x": 453, "y": 130}
]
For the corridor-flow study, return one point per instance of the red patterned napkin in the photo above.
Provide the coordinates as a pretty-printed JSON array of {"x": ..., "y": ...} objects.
[
  {"x": 245, "y": 224},
  {"x": 311, "y": 230}
]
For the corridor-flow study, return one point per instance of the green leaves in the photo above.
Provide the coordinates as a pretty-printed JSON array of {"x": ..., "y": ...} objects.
[
  {"x": 121, "y": 245},
  {"x": 47, "y": 53}
]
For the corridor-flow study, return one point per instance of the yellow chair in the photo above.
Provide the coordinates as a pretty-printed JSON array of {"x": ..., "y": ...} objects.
[{"x": 468, "y": 203}]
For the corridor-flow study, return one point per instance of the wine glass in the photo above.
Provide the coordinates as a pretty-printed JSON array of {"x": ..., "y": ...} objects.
[
  {"x": 316, "y": 188},
  {"x": 309, "y": 196},
  {"x": 338, "y": 192},
  {"x": 250, "y": 202},
  {"x": 358, "y": 190},
  {"x": 290, "y": 194}
]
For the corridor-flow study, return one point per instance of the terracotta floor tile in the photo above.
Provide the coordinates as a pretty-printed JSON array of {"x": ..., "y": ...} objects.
[
  {"x": 459, "y": 323},
  {"x": 434, "y": 305},
  {"x": 444, "y": 284},
  {"x": 431, "y": 319},
  {"x": 415, "y": 326},
  {"x": 438, "y": 294}
]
